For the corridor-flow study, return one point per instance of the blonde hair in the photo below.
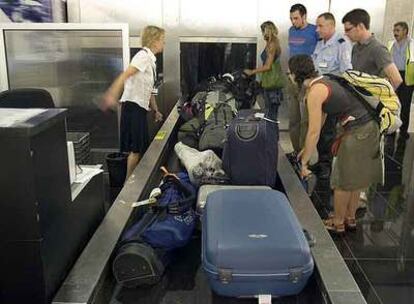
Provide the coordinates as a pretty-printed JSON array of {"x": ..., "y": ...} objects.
[
  {"x": 269, "y": 29},
  {"x": 270, "y": 32},
  {"x": 151, "y": 34}
]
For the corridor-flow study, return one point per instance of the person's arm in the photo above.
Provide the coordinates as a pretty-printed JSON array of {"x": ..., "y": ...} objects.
[
  {"x": 317, "y": 95},
  {"x": 111, "y": 96},
  {"x": 345, "y": 51},
  {"x": 384, "y": 61},
  {"x": 393, "y": 75},
  {"x": 267, "y": 66},
  {"x": 316, "y": 40},
  {"x": 154, "y": 107}
]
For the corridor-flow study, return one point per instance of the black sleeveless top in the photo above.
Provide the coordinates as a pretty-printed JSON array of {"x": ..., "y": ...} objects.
[{"x": 343, "y": 105}]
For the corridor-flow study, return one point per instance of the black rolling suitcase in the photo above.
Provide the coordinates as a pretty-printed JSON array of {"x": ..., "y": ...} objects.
[{"x": 251, "y": 150}]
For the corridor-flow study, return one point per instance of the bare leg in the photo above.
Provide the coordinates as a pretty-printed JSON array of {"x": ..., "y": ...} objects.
[
  {"x": 132, "y": 162},
  {"x": 353, "y": 204},
  {"x": 341, "y": 201}
]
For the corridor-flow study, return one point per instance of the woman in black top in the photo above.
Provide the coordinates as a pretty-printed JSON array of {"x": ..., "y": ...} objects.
[{"x": 357, "y": 155}]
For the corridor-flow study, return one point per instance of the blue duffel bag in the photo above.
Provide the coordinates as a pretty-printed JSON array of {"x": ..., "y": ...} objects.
[
  {"x": 145, "y": 247},
  {"x": 175, "y": 227}
]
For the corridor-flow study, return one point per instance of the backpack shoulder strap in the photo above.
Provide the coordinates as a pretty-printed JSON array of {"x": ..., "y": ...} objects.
[
  {"x": 354, "y": 90},
  {"x": 154, "y": 73}
]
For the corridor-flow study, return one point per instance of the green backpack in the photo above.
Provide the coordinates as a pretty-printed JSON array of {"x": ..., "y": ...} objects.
[
  {"x": 215, "y": 128},
  {"x": 273, "y": 79},
  {"x": 189, "y": 132}
]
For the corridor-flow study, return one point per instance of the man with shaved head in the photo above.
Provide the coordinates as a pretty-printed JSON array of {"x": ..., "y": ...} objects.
[
  {"x": 333, "y": 52},
  {"x": 332, "y": 55}
]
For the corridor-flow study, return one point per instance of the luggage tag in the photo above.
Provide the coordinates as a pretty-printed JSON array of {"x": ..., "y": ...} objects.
[
  {"x": 262, "y": 116},
  {"x": 265, "y": 299},
  {"x": 155, "y": 193}
]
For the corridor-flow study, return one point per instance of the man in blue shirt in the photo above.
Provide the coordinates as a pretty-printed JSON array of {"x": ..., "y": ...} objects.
[
  {"x": 302, "y": 35},
  {"x": 302, "y": 40},
  {"x": 332, "y": 55}
]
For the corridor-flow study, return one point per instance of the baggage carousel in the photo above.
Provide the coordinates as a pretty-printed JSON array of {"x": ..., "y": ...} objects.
[{"x": 91, "y": 279}]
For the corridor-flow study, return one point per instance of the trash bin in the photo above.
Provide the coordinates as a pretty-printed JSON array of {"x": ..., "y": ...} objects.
[{"x": 117, "y": 168}]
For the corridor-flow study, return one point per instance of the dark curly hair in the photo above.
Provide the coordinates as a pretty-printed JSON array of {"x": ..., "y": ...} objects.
[{"x": 302, "y": 67}]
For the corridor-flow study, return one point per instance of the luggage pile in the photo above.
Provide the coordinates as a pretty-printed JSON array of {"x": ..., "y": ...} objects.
[
  {"x": 209, "y": 112},
  {"x": 252, "y": 242}
]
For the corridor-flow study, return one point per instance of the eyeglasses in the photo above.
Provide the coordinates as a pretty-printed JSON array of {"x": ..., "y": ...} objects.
[{"x": 347, "y": 30}]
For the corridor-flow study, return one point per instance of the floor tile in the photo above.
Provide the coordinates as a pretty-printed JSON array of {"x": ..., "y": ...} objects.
[
  {"x": 393, "y": 281},
  {"x": 375, "y": 239},
  {"x": 364, "y": 284},
  {"x": 380, "y": 253}
]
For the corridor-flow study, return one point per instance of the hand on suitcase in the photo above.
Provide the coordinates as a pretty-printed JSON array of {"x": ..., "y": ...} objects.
[{"x": 304, "y": 171}]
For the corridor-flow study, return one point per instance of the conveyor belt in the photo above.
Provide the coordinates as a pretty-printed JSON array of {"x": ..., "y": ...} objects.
[{"x": 91, "y": 281}]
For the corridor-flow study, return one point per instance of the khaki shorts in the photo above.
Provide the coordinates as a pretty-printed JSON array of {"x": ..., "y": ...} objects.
[
  {"x": 359, "y": 160},
  {"x": 298, "y": 118}
]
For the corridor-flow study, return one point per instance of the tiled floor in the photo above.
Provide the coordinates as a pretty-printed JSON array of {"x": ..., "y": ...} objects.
[{"x": 380, "y": 254}]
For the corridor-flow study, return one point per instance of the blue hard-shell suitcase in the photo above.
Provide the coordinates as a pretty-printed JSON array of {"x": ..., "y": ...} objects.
[{"x": 252, "y": 244}]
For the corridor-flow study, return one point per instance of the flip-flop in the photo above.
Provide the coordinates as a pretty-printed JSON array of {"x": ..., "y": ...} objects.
[
  {"x": 350, "y": 223},
  {"x": 330, "y": 226}
]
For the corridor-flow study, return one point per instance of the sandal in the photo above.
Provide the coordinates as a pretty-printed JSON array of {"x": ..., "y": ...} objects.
[
  {"x": 330, "y": 226},
  {"x": 350, "y": 223}
]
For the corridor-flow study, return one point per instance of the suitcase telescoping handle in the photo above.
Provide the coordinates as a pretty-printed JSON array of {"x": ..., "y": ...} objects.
[
  {"x": 309, "y": 237},
  {"x": 247, "y": 132}
]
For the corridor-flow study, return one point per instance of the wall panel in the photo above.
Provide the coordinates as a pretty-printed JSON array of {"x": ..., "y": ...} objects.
[
  {"x": 75, "y": 63},
  {"x": 137, "y": 13},
  {"x": 398, "y": 10},
  {"x": 376, "y": 9},
  {"x": 218, "y": 18}
]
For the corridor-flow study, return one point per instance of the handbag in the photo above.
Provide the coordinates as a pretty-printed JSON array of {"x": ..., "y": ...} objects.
[{"x": 273, "y": 79}]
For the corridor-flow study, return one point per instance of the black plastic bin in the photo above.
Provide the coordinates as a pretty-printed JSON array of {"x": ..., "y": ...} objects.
[{"x": 117, "y": 168}]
